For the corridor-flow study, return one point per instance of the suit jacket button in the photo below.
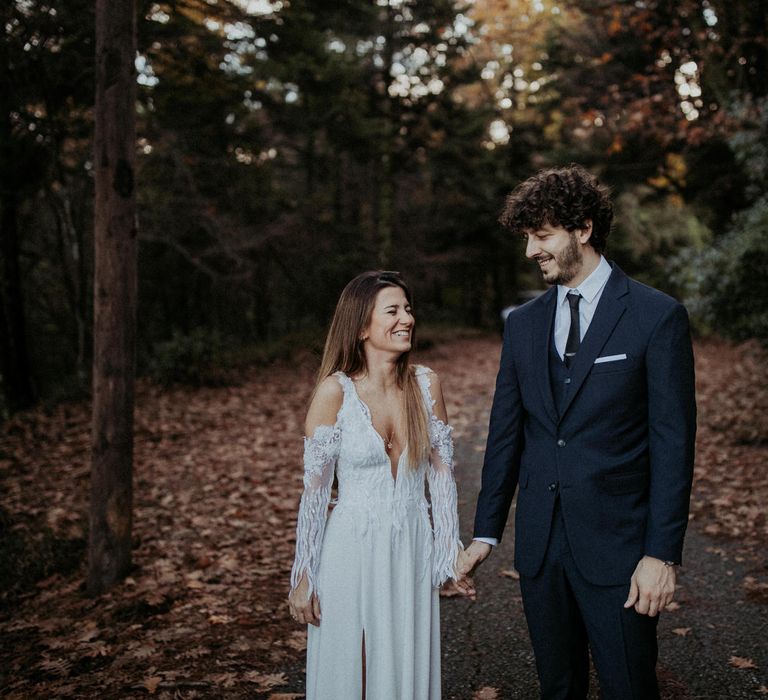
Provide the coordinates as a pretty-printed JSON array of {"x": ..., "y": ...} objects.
[
  {"x": 568, "y": 380},
  {"x": 561, "y": 443},
  {"x": 552, "y": 487}
]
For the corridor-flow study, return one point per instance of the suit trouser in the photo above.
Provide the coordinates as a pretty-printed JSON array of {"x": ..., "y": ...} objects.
[{"x": 566, "y": 614}]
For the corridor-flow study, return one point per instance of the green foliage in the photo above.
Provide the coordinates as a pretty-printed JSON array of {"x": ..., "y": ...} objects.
[
  {"x": 725, "y": 287},
  {"x": 750, "y": 143},
  {"x": 649, "y": 231},
  {"x": 285, "y": 348},
  {"x": 194, "y": 358},
  {"x": 204, "y": 357}
]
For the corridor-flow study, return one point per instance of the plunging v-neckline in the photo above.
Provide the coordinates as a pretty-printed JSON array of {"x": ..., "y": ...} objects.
[{"x": 369, "y": 417}]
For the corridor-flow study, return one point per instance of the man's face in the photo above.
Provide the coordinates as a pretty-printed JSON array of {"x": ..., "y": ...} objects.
[{"x": 557, "y": 251}]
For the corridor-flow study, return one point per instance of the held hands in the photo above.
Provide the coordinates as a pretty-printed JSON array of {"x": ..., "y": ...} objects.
[
  {"x": 305, "y": 609},
  {"x": 473, "y": 556},
  {"x": 652, "y": 586},
  {"x": 467, "y": 561},
  {"x": 462, "y": 584}
]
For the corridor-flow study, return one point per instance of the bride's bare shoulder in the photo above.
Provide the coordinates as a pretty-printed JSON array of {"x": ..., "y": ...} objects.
[{"x": 325, "y": 405}]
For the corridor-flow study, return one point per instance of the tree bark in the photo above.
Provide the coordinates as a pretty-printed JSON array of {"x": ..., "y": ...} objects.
[
  {"x": 114, "y": 348},
  {"x": 385, "y": 164},
  {"x": 15, "y": 369},
  {"x": 15, "y": 375}
]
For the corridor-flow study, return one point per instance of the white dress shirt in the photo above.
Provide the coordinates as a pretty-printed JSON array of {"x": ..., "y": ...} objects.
[{"x": 591, "y": 289}]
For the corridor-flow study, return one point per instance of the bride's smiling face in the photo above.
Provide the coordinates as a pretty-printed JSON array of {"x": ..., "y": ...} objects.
[{"x": 392, "y": 322}]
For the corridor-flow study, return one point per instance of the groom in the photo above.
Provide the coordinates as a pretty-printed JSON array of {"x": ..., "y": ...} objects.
[{"x": 593, "y": 420}]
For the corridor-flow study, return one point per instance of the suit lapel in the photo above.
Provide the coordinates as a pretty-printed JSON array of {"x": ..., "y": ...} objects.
[
  {"x": 541, "y": 339},
  {"x": 609, "y": 310}
]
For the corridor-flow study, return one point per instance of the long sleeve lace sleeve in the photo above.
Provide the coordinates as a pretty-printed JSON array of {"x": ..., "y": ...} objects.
[
  {"x": 442, "y": 489},
  {"x": 320, "y": 454}
]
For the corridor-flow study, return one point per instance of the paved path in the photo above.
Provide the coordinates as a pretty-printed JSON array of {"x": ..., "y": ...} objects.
[{"x": 486, "y": 644}]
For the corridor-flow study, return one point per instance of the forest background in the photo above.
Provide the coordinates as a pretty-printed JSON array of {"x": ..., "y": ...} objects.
[
  {"x": 281, "y": 148},
  {"x": 285, "y": 146}
]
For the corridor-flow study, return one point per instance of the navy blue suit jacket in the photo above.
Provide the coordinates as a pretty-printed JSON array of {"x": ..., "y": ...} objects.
[{"x": 620, "y": 451}]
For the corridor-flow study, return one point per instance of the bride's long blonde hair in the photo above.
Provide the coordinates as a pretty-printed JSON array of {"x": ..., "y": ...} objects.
[{"x": 344, "y": 352}]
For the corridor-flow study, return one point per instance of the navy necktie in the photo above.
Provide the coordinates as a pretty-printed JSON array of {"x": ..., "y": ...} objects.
[{"x": 574, "y": 332}]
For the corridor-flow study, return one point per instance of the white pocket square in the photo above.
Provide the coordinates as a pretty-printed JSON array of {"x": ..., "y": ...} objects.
[{"x": 611, "y": 358}]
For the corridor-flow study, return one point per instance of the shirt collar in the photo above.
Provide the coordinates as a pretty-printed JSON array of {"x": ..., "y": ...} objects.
[{"x": 591, "y": 286}]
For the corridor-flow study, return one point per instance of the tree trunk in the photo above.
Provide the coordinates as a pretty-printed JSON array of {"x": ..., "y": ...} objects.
[
  {"x": 70, "y": 259},
  {"x": 386, "y": 180},
  {"x": 16, "y": 381},
  {"x": 309, "y": 164},
  {"x": 14, "y": 359},
  {"x": 114, "y": 344}
]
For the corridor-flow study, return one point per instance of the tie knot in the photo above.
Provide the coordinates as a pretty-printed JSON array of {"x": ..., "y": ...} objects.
[{"x": 573, "y": 299}]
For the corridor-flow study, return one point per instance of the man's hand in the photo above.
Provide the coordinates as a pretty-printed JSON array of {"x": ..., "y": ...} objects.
[
  {"x": 652, "y": 586},
  {"x": 474, "y": 555},
  {"x": 463, "y": 584}
]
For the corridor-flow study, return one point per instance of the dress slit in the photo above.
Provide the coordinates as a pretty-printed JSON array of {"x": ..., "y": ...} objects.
[{"x": 363, "y": 659}]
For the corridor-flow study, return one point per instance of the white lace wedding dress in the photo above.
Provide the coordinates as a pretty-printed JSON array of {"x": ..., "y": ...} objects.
[{"x": 378, "y": 562}]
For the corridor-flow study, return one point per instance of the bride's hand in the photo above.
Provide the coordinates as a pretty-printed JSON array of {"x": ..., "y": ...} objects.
[
  {"x": 463, "y": 583},
  {"x": 304, "y": 609},
  {"x": 452, "y": 588}
]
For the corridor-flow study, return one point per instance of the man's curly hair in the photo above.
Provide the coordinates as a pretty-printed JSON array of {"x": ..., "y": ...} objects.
[{"x": 567, "y": 197}]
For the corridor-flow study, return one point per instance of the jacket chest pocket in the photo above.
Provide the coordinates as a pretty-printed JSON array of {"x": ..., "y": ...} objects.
[{"x": 612, "y": 366}]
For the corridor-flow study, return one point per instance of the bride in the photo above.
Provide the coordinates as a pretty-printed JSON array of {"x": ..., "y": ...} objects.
[{"x": 366, "y": 577}]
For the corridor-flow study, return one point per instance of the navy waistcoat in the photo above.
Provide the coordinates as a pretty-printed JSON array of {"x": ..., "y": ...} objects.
[{"x": 559, "y": 376}]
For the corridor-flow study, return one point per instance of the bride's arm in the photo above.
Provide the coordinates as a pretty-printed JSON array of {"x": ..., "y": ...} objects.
[
  {"x": 442, "y": 489},
  {"x": 321, "y": 449}
]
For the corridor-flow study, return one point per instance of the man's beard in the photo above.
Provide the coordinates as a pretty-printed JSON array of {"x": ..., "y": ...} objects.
[{"x": 568, "y": 263}]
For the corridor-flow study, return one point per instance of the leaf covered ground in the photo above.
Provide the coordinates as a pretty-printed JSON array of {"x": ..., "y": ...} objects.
[{"x": 217, "y": 482}]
